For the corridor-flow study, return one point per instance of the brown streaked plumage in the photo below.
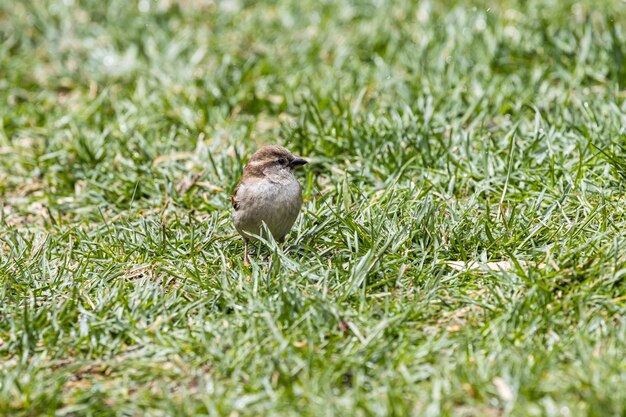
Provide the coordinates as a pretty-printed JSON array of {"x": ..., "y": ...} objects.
[{"x": 267, "y": 193}]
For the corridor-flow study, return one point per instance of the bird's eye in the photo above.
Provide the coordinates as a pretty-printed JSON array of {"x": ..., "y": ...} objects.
[{"x": 282, "y": 161}]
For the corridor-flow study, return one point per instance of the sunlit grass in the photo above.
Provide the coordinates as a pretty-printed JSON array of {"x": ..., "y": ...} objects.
[{"x": 461, "y": 249}]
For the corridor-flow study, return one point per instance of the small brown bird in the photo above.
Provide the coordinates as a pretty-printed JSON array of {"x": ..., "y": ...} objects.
[{"x": 269, "y": 193}]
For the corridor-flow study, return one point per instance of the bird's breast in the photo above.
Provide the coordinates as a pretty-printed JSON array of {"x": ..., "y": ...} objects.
[
  {"x": 275, "y": 203},
  {"x": 284, "y": 196}
]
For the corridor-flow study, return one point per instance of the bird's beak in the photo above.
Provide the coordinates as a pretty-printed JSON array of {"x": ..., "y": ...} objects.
[{"x": 296, "y": 162}]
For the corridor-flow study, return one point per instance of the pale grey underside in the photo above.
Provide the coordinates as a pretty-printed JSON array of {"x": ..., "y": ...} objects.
[{"x": 275, "y": 200}]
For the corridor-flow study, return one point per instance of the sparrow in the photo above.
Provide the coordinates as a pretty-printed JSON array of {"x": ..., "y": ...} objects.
[{"x": 268, "y": 192}]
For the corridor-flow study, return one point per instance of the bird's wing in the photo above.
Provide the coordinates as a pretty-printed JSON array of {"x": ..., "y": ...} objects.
[{"x": 233, "y": 198}]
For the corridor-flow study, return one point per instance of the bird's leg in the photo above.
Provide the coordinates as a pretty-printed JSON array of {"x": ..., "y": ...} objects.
[
  {"x": 269, "y": 257},
  {"x": 268, "y": 266},
  {"x": 281, "y": 242},
  {"x": 246, "y": 259}
]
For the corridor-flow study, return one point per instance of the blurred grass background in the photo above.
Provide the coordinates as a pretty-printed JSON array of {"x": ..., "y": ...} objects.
[{"x": 441, "y": 133}]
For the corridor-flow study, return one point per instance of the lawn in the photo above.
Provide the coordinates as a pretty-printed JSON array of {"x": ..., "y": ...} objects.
[{"x": 462, "y": 245}]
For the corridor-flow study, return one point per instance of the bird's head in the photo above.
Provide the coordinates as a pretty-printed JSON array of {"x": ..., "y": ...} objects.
[{"x": 273, "y": 160}]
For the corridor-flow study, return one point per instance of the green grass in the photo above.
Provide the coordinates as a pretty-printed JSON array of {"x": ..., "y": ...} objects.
[{"x": 462, "y": 245}]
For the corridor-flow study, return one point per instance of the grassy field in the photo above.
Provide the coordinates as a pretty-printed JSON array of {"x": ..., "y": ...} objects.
[{"x": 462, "y": 245}]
